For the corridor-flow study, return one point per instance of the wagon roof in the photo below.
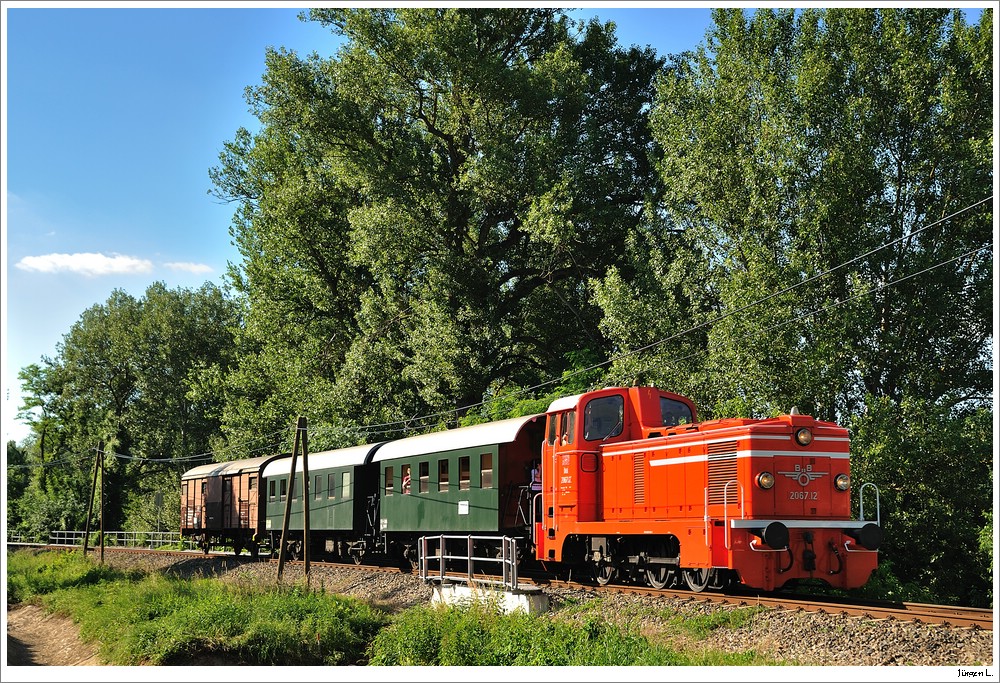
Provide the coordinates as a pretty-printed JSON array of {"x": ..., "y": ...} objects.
[
  {"x": 216, "y": 469},
  {"x": 504, "y": 431},
  {"x": 339, "y": 457}
]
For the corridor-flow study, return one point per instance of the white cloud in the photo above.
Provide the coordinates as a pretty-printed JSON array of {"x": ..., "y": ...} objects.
[
  {"x": 86, "y": 264},
  {"x": 189, "y": 267}
]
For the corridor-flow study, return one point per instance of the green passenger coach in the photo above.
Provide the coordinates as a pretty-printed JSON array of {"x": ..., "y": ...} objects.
[
  {"x": 340, "y": 489},
  {"x": 469, "y": 480}
]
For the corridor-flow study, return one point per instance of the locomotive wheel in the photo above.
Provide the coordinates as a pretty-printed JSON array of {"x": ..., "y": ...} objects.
[
  {"x": 660, "y": 576},
  {"x": 604, "y": 572},
  {"x": 698, "y": 579}
]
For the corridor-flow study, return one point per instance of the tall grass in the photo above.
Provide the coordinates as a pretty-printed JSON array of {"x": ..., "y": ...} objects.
[{"x": 477, "y": 635}]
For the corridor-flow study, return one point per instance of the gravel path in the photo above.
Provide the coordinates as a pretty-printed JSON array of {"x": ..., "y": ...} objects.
[{"x": 794, "y": 638}]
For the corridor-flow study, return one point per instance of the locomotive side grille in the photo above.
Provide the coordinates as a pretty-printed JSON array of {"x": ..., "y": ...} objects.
[
  {"x": 639, "y": 477},
  {"x": 721, "y": 470}
]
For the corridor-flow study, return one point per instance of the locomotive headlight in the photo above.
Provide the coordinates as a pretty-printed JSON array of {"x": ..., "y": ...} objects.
[
  {"x": 765, "y": 480},
  {"x": 842, "y": 482},
  {"x": 804, "y": 436}
]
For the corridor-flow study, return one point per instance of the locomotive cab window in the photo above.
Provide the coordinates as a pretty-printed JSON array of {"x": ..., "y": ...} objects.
[
  {"x": 604, "y": 418},
  {"x": 674, "y": 412},
  {"x": 567, "y": 425}
]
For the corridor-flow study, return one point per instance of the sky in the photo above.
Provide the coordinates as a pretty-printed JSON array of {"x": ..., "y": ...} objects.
[{"x": 113, "y": 115}]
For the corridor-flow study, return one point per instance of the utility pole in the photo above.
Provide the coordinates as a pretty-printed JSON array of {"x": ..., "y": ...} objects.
[{"x": 90, "y": 505}]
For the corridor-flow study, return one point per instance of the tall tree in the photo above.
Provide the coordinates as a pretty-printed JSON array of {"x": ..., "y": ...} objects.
[
  {"x": 827, "y": 170},
  {"x": 127, "y": 374},
  {"x": 457, "y": 174}
]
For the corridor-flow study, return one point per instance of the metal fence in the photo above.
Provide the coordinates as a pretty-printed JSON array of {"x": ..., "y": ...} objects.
[
  {"x": 438, "y": 553},
  {"x": 125, "y": 539}
]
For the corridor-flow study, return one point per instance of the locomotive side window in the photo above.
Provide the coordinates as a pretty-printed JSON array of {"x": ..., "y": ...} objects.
[
  {"x": 331, "y": 482},
  {"x": 463, "y": 473},
  {"x": 567, "y": 425},
  {"x": 388, "y": 481},
  {"x": 346, "y": 488},
  {"x": 552, "y": 429},
  {"x": 442, "y": 476},
  {"x": 486, "y": 470},
  {"x": 603, "y": 418},
  {"x": 674, "y": 412}
]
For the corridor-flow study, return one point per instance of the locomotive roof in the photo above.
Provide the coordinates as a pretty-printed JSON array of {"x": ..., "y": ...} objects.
[
  {"x": 504, "y": 431},
  {"x": 216, "y": 469},
  {"x": 564, "y": 403},
  {"x": 338, "y": 457}
]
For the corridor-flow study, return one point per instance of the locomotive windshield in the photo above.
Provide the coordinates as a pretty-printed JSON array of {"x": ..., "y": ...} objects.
[
  {"x": 603, "y": 417},
  {"x": 674, "y": 412}
]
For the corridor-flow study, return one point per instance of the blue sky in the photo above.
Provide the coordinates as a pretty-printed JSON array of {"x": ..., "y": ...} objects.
[{"x": 113, "y": 117}]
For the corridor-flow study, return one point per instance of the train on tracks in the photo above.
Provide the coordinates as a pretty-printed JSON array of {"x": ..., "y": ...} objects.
[{"x": 623, "y": 483}]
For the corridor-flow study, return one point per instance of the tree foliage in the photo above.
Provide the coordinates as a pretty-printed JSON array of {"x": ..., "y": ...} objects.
[
  {"x": 125, "y": 375},
  {"x": 420, "y": 213}
]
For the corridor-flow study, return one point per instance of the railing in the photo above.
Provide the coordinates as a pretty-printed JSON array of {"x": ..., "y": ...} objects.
[
  {"x": 435, "y": 549},
  {"x": 126, "y": 539}
]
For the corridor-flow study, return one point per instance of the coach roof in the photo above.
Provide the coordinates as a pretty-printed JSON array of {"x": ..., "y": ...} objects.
[{"x": 504, "y": 431}]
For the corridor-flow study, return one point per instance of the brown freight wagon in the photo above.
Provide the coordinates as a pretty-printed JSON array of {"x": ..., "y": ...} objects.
[{"x": 222, "y": 504}]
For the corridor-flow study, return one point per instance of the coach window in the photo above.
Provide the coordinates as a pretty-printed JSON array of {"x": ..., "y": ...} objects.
[
  {"x": 674, "y": 412},
  {"x": 184, "y": 490},
  {"x": 331, "y": 482},
  {"x": 346, "y": 488},
  {"x": 603, "y": 418},
  {"x": 270, "y": 491},
  {"x": 388, "y": 481},
  {"x": 204, "y": 487},
  {"x": 284, "y": 490},
  {"x": 405, "y": 482},
  {"x": 486, "y": 470},
  {"x": 442, "y": 476},
  {"x": 425, "y": 468},
  {"x": 253, "y": 483},
  {"x": 463, "y": 473},
  {"x": 318, "y": 485}
]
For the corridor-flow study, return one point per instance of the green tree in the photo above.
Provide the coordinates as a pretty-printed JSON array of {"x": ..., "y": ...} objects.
[
  {"x": 419, "y": 214},
  {"x": 819, "y": 167},
  {"x": 126, "y": 374}
]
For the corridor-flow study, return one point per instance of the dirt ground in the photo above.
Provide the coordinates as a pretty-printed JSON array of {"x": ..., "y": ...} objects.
[{"x": 45, "y": 640}]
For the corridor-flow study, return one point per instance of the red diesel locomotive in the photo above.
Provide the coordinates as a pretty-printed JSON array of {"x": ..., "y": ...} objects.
[{"x": 634, "y": 486}]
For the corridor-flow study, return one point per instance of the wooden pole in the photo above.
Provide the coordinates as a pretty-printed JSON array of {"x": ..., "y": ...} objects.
[
  {"x": 283, "y": 550},
  {"x": 90, "y": 505},
  {"x": 305, "y": 496},
  {"x": 101, "y": 456}
]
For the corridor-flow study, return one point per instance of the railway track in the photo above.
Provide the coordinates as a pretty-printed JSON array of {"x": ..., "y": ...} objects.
[{"x": 947, "y": 615}]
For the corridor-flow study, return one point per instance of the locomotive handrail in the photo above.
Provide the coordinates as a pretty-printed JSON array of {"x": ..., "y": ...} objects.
[
  {"x": 725, "y": 508},
  {"x": 878, "y": 504}
]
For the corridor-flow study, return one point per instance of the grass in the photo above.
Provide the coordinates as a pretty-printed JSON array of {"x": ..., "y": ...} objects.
[{"x": 139, "y": 618}]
